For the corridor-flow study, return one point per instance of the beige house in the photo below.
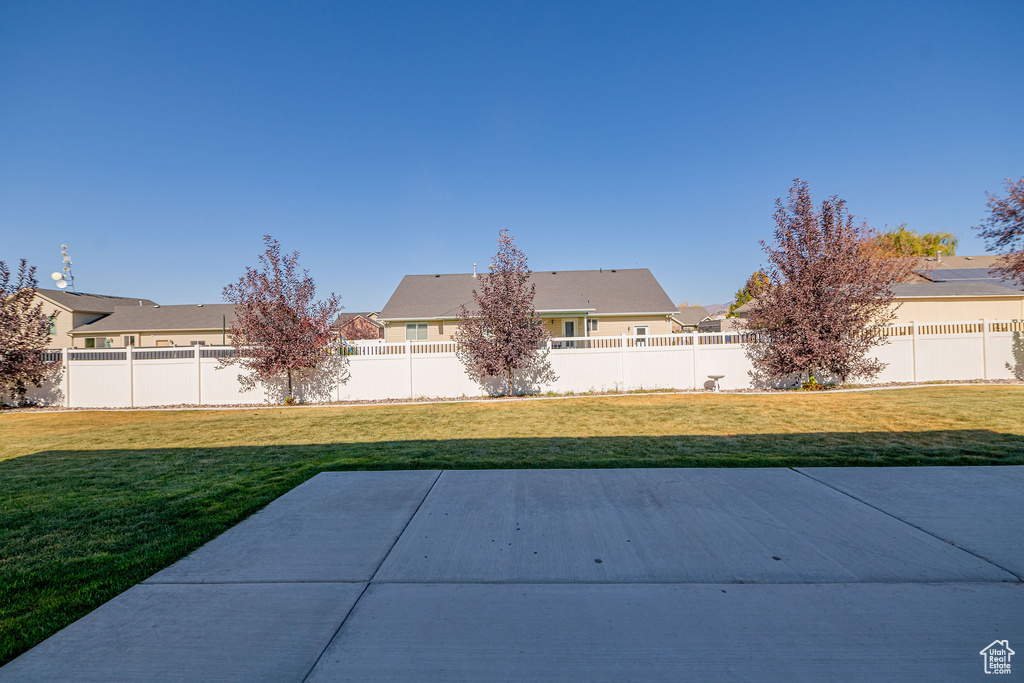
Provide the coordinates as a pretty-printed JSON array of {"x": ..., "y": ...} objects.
[
  {"x": 957, "y": 288},
  {"x": 572, "y": 303},
  {"x": 153, "y": 325},
  {"x": 934, "y": 302},
  {"x": 68, "y": 310},
  {"x": 688, "y": 318}
]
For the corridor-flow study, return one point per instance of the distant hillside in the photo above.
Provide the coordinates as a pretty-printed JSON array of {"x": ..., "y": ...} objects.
[{"x": 715, "y": 308}]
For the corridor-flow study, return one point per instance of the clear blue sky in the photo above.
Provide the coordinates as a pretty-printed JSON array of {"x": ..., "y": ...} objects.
[{"x": 161, "y": 140}]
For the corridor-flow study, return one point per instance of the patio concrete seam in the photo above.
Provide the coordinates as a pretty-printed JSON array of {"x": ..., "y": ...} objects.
[
  {"x": 910, "y": 524},
  {"x": 363, "y": 592},
  {"x": 724, "y": 582}
]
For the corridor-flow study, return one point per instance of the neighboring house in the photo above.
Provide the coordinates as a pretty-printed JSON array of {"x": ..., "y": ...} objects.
[
  {"x": 572, "y": 303},
  {"x": 933, "y": 302},
  {"x": 155, "y": 325},
  {"x": 955, "y": 288},
  {"x": 929, "y": 302},
  {"x": 68, "y": 310},
  {"x": 688, "y": 317},
  {"x": 718, "y": 324},
  {"x": 354, "y": 326}
]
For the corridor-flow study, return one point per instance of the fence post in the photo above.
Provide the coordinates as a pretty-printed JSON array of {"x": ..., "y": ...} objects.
[
  {"x": 199, "y": 375},
  {"x": 623, "y": 375},
  {"x": 408, "y": 353},
  {"x": 131, "y": 375},
  {"x": 913, "y": 349},
  {"x": 696, "y": 383},
  {"x": 984, "y": 348},
  {"x": 66, "y": 380}
]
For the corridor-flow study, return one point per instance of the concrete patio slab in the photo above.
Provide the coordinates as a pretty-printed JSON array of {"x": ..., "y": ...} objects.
[
  {"x": 337, "y": 526},
  {"x": 248, "y": 632},
  {"x": 666, "y": 632},
  {"x": 980, "y": 509},
  {"x": 662, "y": 525},
  {"x": 563, "y": 575}
]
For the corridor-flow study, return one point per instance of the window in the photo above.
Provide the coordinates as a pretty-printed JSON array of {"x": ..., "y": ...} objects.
[
  {"x": 415, "y": 332},
  {"x": 53, "y": 326},
  {"x": 129, "y": 340},
  {"x": 592, "y": 324},
  {"x": 90, "y": 342},
  {"x": 195, "y": 342},
  {"x": 641, "y": 335}
]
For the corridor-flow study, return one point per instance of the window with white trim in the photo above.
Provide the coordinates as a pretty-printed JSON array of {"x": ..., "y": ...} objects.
[
  {"x": 415, "y": 332},
  {"x": 592, "y": 324}
]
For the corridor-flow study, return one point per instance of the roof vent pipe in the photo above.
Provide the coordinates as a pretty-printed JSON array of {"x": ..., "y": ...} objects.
[{"x": 474, "y": 270}]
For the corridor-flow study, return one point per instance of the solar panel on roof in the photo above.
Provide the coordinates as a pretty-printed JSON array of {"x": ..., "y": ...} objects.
[{"x": 961, "y": 275}]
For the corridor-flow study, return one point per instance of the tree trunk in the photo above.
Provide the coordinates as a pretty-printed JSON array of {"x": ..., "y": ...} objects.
[
  {"x": 289, "y": 382},
  {"x": 510, "y": 381}
]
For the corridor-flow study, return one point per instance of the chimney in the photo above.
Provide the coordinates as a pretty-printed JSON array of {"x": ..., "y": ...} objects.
[{"x": 474, "y": 270}]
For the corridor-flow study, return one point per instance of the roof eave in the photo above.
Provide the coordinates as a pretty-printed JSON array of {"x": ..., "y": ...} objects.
[{"x": 170, "y": 330}]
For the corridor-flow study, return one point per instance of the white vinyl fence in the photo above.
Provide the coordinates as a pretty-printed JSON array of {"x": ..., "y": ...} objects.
[{"x": 374, "y": 370}]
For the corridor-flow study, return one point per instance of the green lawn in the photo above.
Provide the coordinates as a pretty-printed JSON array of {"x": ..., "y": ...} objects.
[{"x": 93, "y": 502}]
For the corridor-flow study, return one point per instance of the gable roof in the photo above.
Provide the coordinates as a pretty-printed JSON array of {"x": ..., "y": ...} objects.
[
  {"x": 954, "y": 288},
  {"x": 598, "y": 292},
  {"x": 162, "y": 318},
  {"x": 691, "y": 315},
  {"x": 345, "y": 318},
  {"x": 90, "y": 303}
]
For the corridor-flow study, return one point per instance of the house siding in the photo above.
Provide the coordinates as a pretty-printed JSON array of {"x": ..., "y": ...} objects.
[
  {"x": 948, "y": 309},
  {"x": 170, "y": 338},
  {"x": 65, "y": 321},
  {"x": 610, "y": 326}
]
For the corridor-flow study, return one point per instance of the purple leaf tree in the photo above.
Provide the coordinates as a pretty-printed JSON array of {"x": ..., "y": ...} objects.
[
  {"x": 829, "y": 291},
  {"x": 502, "y": 337},
  {"x": 24, "y": 333},
  {"x": 281, "y": 328},
  {"x": 1003, "y": 229}
]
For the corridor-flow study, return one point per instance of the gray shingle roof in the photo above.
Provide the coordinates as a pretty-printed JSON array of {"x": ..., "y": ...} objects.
[
  {"x": 691, "y": 315},
  {"x": 90, "y": 303},
  {"x": 632, "y": 290},
  {"x": 962, "y": 288},
  {"x": 162, "y": 318}
]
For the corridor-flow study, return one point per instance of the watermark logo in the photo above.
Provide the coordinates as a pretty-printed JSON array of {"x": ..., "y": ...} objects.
[{"x": 997, "y": 657}]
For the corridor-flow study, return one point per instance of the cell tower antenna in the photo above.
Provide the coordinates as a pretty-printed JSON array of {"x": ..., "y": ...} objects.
[{"x": 65, "y": 278}]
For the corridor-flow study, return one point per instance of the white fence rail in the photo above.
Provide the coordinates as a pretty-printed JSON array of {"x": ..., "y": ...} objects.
[{"x": 138, "y": 377}]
